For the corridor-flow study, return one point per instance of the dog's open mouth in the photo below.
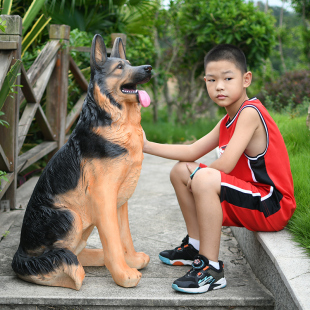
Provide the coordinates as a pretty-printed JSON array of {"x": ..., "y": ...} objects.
[
  {"x": 143, "y": 97},
  {"x": 129, "y": 89}
]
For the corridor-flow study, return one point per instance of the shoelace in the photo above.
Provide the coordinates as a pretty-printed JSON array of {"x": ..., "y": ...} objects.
[{"x": 183, "y": 244}]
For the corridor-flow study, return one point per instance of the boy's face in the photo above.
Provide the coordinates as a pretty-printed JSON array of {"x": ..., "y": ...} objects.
[{"x": 226, "y": 84}]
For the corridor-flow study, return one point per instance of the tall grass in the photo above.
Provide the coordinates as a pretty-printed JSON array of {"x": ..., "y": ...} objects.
[{"x": 297, "y": 139}]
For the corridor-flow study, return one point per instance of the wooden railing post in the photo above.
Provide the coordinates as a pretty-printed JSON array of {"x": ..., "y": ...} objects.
[
  {"x": 57, "y": 88},
  {"x": 11, "y": 43}
]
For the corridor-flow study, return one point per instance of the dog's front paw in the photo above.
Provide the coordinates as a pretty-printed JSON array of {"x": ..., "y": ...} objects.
[
  {"x": 137, "y": 260},
  {"x": 127, "y": 278}
]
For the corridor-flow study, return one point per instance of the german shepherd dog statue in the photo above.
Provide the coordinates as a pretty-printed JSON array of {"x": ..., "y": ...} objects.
[{"x": 88, "y": 182}]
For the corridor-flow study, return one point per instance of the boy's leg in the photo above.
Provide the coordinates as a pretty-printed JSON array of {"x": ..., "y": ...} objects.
[
  {"x": 179, "y": 177},
  {"x": 185, "y": 253},
  {"x": 206, "y": 188},
  {"x": 203, "y": 277}
]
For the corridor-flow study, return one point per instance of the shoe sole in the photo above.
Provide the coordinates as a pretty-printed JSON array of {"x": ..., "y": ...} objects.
[
  {"x": 177, "y": 262},
  {"x": 202, "y": 289}
]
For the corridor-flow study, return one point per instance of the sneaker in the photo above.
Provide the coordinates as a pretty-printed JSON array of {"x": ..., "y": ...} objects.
[
  {"x": 182, "y": 255},
  {"x": 201, "y": 278}
]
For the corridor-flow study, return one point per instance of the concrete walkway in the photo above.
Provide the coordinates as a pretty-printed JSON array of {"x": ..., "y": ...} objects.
[{"x": 156, "y": 224}]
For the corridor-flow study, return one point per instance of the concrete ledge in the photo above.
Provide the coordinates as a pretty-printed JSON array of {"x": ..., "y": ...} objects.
[{"x": 280, "y": 264}]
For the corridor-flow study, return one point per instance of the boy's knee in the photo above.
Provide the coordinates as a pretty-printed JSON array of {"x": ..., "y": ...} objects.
[
  {"x": 177, "y": 170},
  {"x": 206, "y": 179}
]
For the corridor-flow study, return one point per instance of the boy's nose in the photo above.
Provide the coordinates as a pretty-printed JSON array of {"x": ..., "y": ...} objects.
[{"x": 219, "y": 86}]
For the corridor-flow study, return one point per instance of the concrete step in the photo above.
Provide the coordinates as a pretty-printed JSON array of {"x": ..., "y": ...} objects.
[{"x": 156, "y": 224}]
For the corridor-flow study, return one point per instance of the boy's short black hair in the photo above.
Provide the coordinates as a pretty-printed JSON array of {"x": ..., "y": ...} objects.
[{"x": 227, "y": 52}]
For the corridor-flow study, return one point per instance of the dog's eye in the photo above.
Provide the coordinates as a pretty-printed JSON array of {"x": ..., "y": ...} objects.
[{"x": 120, "y": 66}]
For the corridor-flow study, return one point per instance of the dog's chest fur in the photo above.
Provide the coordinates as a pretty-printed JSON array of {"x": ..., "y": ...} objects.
[{"x": 110, "y": 175}]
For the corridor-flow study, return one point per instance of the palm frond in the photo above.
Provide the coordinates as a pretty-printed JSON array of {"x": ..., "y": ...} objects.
[
  {"x": 31, "y": 14},
  {"x": 7, "y": 5},
  {"x": 34, "y": 32}
]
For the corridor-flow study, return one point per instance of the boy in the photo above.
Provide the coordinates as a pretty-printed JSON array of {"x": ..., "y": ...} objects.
[{"x": 250, "y": 185}]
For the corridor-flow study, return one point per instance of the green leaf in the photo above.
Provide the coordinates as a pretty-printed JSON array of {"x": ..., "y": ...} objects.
[
  {"x": 31, "y": 14},
  {"x": 7, "y": 4},
  {"x": 2, "y": 25},
  {"x": 237, "y": 36},
  {"x": 34, "y": 32},
  {"x": 9, "y": 82},
  {"x": 248, "y": 41}
]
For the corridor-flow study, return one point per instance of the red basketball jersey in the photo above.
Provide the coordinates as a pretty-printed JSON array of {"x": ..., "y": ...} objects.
[{"x": 269, "y": 170}]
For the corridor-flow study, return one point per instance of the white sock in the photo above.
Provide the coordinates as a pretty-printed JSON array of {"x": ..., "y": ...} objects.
[
  {"x": 195, "y": 243},
  {"x": 216, "y": 265}
]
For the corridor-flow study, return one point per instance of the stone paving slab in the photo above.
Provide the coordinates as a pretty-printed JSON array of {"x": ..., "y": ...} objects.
[{"x": 156, "y": 224}]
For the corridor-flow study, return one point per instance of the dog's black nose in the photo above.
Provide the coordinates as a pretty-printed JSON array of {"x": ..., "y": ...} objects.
[{"x": 148, "y": 68}]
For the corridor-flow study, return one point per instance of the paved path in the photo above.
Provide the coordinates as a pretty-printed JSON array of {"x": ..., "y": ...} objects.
[{"x": 156, "y": 224}]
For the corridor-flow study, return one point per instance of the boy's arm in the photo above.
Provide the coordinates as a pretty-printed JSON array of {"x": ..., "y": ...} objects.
[
  {"x": 248, "y": 122},
  {"x": 184, "y": 152}
]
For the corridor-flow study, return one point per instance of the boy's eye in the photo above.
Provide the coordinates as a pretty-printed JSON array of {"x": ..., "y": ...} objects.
[
  {"x": 211, "y": 80},
  {"x": 228, "y": 79}
]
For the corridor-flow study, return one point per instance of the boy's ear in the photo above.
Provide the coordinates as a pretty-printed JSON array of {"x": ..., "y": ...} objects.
[{"x": 247, "y": 79}]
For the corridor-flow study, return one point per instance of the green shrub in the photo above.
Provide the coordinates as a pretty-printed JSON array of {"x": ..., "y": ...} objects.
[{"x": 290, "y": 92}]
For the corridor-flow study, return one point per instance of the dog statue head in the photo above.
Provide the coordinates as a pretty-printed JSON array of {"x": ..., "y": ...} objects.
[{"x": 114, "y": 75}]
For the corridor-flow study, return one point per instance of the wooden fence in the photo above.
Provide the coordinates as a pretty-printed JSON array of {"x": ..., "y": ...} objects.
[{"x": 48, "y": 72}]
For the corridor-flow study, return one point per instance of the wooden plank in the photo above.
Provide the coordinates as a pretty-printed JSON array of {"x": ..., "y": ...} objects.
[
  {"x": 4, "y": 163},
  {"x": 9, "y": 138},
  {"x": 42, "y": 61},
  {"x": 57, "y": 89},
  {"x": 83, "y": 49},
  {"x": 42, "y": 82},
  {"x": 75, "y": 112},
  {"x": 27, "y": 89},
  {"x": 8, "y": 45},
  {"x": 25, "y": 122},
  {"x": 34, "y": 154},
  {"x": 77, "y": 73},
  {"x": 44, "y": 125},
  {"x": 5, "y": 63},
  {"x": 86, "y": 49},
  {"x": 5, "y": 184}
]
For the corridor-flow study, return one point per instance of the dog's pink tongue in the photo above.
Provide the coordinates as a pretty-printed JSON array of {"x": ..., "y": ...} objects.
[{"x": 144, "y": 98}]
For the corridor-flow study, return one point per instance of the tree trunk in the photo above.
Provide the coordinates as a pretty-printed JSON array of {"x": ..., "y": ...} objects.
[
  {"x": 155, "y": 99},
  {"x": 169, "y": 101},
  {"x": 155, "y": 77},
  {"x": 279, "y": 37}
]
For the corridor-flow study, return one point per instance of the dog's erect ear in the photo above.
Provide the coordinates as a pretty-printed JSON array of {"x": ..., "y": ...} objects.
[
  {"x": 98, "y": 51},
  {"x": 118, "y": 50}
]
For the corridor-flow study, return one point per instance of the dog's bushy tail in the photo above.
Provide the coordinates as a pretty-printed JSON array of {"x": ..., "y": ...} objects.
[{"x": 49, "y": 261}]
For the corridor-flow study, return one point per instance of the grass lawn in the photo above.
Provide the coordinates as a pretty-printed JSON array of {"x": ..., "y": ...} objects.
[
  {"x": 297, "y": 139},
  {"x": 296, "y": 136}
]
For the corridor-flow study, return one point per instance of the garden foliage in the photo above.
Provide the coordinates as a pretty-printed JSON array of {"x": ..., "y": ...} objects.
[{"x": 291, "y": 90}]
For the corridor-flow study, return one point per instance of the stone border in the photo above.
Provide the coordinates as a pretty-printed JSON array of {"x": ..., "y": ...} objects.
[{"x": 280, "y": 264}]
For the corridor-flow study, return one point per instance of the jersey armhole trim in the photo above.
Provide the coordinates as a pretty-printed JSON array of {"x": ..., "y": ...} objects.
[{"x": 266, "y": 130}]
